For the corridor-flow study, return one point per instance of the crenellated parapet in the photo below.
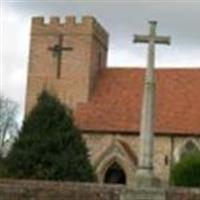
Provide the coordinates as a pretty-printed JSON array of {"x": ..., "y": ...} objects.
[{"x": 88, "y": 25}]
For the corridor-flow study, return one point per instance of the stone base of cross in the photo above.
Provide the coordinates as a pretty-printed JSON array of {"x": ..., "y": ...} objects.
[{"x": 145, "y": 178}]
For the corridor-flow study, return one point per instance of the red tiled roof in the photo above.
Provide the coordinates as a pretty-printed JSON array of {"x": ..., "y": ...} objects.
[{"x": 116, "y": 101}]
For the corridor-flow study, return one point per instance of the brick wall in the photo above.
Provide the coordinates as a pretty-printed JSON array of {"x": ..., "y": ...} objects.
[
  {"x": 183, "y": 194},
  {"x": 44, "y": 190}
]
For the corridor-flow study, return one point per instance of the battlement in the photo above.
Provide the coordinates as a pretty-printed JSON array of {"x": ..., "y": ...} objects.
[{"x": 88, "y": 25}]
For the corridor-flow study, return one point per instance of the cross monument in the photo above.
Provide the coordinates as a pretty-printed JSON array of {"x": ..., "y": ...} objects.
[
  {"x": 144, "y": 174},
  {"x": 57, "y": 50}
]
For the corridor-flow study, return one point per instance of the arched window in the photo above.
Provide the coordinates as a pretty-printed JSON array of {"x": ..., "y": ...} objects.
[
  {"x": 115, "y": 174},
  {"x": 189, "y": 147}
]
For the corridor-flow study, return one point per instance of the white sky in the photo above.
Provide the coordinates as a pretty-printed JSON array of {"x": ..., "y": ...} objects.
[{"x": 122, "y": 19}]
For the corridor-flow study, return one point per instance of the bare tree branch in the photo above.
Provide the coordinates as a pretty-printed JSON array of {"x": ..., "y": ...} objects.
[{"x": 8, "y": 122}]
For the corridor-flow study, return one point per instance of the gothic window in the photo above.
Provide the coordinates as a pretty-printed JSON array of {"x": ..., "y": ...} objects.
[
  {"x": 189, "y": 147},
  {"x": 115, "y": 175},
  {"x": 166, "y": 160}
]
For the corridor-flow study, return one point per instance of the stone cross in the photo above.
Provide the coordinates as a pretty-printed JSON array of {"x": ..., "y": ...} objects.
[
  {"x": 144, "y": 174},
  {"x": 57, "y": 50}
]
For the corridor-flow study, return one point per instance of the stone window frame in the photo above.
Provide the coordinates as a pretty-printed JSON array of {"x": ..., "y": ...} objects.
[{"x": 179, "y": 150}]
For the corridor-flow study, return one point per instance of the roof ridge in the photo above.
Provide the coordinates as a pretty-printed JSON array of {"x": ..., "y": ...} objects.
[{"x": 157, "y": 68}]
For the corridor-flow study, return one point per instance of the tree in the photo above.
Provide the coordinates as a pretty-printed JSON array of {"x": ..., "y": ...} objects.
[
  {"x": 8, "y": 123},
  {"x": 49, "y": 145},
  {"x": 187, "y": 171}
]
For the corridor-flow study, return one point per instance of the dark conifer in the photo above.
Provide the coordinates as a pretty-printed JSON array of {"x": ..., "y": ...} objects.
[{"x": 49, "y": 146}]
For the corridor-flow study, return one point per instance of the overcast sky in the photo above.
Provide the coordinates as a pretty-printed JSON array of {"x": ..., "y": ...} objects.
[{"x": 122, "y": 19}]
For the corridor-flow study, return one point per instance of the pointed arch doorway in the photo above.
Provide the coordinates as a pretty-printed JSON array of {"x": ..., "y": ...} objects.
[{"x": 115, "y": 174}]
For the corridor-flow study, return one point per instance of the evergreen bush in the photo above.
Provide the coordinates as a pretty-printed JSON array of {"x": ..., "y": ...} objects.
[
  {"x": 49, "y": 146},
  {"x": 187, "y": 171}
]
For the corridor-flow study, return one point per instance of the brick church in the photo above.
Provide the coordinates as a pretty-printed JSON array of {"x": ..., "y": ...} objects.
[{"x": 69, "y": 60}]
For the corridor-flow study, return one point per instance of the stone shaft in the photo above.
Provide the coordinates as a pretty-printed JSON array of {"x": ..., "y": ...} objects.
[
  {"x": 144, "y": 174},
  {"x": 146, "y": 130}
]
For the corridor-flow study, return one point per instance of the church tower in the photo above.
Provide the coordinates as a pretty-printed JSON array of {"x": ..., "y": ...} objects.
[{"x": 65, "y": 58}]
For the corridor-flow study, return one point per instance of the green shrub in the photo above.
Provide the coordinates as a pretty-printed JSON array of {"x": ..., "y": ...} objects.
[
  {"x": 2, "y": 168},
  {"x": 49, "y": 146},
  {"x": 187, "y": 171}
]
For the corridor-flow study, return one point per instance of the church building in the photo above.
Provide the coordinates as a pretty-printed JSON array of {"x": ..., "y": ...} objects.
[{"x": 69, "y": 59}]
